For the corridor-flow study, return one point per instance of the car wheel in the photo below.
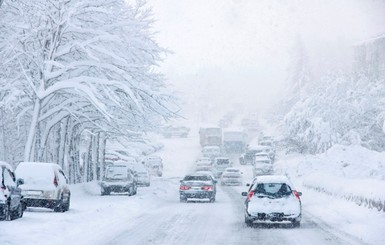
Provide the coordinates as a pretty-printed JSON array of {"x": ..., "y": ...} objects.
[
  {"x": 67, "y": 204},
  {"x": 296, "y": 223},
  {"x": 18, "y": 213},
  {"x": 183, "y": 199},
  {"x": 7, "y": 212},
  {"x": 212, "y": 199},
  {"x": 248, "y": 222},
  {"x": 59, "y": 207}
]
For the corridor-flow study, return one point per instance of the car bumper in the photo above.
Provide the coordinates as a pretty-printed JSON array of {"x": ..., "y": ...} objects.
[
  {"x": 197, "y": 195},
  {"x": 273, "y": 217},
  {"x": 43, "y": 203}
]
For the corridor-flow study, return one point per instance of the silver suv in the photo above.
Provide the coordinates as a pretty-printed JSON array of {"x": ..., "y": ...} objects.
[{"x": 45, "y": 185}]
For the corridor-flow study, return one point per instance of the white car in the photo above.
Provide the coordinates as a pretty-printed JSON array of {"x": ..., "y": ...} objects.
[
  {"x": 142, "y": 175},
  {"x": 272, "y": 199},
  {"x": 231, "y": 176},
  {"x": 45, "y": 185},
  {"x": 262, "y": 166}
]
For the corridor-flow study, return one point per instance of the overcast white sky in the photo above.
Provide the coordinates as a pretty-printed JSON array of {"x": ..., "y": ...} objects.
[{"x": 228, "y": 52}]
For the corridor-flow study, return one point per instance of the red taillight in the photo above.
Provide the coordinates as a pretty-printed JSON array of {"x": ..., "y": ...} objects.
[
  {"x": 250, "y": 195},
  {"x": 184, "y": 187},
  {"x": 207, "y": 188},
  {"x": 296, "y": 195},
  {"x": 55, "y": 182}
]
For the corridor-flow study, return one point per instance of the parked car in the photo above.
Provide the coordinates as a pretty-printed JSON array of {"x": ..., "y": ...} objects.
[
  {"x": 141, "y": 174},
  {"x": 154, "y": 165},
  {"x": 45, "y": 185},
  {"x": 262, "y": 166},
  {"x": 231, "y": 176},
  {"x": 197, "y": 186},
  {"x": 273, "y": 198},
  {"x": 11, "y": 199},
  {"x": 118, "y": 179},
  {"x": 220, "y": 164}
]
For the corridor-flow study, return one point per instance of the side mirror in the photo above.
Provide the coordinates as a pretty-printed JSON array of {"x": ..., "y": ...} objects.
[
  {"x": 244, "y": 194},
  {"x": 19, "y": 182}
]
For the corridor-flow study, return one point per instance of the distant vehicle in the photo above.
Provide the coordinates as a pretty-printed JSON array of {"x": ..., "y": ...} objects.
[
  {"x": 197, "y": 186},
  {"x": 11, "y": 200},
  {"x": 45, "y": 185},
  {"x": 262, "y": 166},
  {"x": 203, "y": 164},
  {"x": 154, "y": 165},
  {"x": 211, "y": 152},
  {"x": 231, "y": 176},
  {"x": 220, "y": 164},
  {"x": 118, "y": 178},
  {"x": 234, "y": 141},
  {"x": 272, "y": 199},
  {"x": 174, "y": 131},
  {"x": 141, "y": 174},
  {"x": 262, "y": 149},
  {"x": 210, "y": 136}
]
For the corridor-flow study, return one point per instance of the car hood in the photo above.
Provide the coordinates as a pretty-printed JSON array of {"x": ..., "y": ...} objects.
[{"x": 287, "y": 205}]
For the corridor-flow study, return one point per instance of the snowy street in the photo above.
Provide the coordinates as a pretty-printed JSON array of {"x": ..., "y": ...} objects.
[{"x": 155, "y": 215}]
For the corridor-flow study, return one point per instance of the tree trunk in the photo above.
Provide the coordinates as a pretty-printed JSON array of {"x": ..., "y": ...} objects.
[{"x": 32, "y": 131}]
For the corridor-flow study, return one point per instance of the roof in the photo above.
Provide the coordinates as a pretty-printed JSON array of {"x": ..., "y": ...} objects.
[{"x": 272, "y": 179}]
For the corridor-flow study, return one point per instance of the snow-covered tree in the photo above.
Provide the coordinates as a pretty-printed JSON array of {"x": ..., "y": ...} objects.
[{"x": 81, "y": 66}]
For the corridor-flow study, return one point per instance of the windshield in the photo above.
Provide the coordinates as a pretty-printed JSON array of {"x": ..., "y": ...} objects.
[
  {"x": 197, "y": 178},
  {"x": 276, "y": 190}
]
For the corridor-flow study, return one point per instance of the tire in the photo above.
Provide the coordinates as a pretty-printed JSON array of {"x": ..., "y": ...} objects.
[
  {"x": 296, "y": 223},
  {"x": 105, "y": 192},
  {"x": 66, "y": 206},
  {"x": 8, "y": 213},
  {"x": 248, "y": 222},
  {"x": 59, "y": 207},
  {"x": 18, "y": 213},
  {"x": 212, "y": 199},
  {"x": 135, "y": 190},
  {"x": 183, "y": 199}
]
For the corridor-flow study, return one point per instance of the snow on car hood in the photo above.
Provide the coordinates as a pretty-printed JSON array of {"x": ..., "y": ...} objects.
[{"x": 264, "y": 204}]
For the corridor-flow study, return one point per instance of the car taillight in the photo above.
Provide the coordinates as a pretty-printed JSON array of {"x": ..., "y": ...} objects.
[
  {"x": 55, "y": 182},
  {"x": 296, "y": 195},
  {"x": 207, "y": 188},
  {"x": 250, "y": 195},
  {"x": 184, "y": 187}
]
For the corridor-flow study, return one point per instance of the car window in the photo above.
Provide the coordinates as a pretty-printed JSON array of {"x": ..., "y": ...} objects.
[
  {"x": 198, "y": 178},
  {"x": 62, "y": 177},
  {"x": 272, "y": 189}
]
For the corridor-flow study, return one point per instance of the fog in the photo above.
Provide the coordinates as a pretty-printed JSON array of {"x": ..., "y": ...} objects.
[{"x": 228, "y": 52}]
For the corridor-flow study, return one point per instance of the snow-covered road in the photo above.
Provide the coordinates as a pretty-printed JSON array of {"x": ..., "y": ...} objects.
[{"x": 155, "y": 215}]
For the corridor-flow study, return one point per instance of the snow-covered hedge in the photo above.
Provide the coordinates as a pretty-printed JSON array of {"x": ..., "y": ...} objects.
[{"x": 364, "y": 192}]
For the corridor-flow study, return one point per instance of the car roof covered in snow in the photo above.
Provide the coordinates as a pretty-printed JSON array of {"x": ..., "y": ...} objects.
[{"x": 272, "y": 179}]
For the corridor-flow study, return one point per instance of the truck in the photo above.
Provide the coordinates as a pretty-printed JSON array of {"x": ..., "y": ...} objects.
[{"x": 210, "y": 136}]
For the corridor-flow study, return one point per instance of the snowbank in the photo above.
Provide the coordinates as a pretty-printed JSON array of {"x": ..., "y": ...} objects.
[{"x": 350, "y": 172}]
